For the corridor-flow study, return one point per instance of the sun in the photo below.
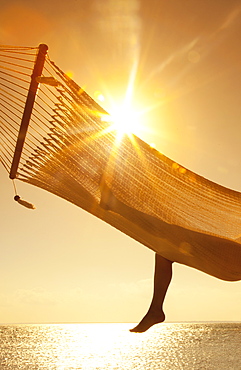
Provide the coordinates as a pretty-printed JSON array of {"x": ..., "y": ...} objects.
[
  {"x": 124, "y": 120},
  {"x": 125, "y": 116}
]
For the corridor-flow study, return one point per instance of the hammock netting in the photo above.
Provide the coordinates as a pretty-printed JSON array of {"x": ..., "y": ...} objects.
[{"x": 70, "y": 145}]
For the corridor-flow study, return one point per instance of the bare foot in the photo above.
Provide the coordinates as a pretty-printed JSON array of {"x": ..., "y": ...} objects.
[{"x": 150, "y": 319}]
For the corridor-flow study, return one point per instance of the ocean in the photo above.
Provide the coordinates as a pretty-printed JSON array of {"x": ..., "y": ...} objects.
[{"x": 167, "y": 346}]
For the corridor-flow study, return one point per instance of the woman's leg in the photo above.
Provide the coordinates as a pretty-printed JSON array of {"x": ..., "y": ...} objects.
[
  {"x": 163, "y": 267},
  {"x": 162, "y": 279}
]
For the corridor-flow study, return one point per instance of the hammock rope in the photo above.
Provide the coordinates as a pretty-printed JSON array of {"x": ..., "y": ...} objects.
[{"x": 69, "y": 146}]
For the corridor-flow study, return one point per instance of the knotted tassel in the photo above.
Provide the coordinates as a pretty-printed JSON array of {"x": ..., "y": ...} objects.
[
  {"x": 21, "y": 201},
  {"x": 24, "y": 202}
]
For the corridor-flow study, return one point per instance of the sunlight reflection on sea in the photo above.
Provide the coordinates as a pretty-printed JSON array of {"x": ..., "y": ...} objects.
[{"x": 112, "y": 346}]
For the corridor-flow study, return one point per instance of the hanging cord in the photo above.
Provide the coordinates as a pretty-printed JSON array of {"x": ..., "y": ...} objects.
[{"x": 21, "y": 201}]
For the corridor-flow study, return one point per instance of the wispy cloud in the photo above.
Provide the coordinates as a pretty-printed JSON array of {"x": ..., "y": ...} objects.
[
  {"x": 35, "y": 296},
  {"x": 231, "y": 18},
  {"x": 141, "y": 287}
]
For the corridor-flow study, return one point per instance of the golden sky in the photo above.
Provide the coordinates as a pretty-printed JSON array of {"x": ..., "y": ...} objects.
[{"x": 60, "y": 264}]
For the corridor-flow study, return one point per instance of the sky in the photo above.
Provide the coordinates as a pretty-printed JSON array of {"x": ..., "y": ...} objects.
[{"x": 59, "y": 263}]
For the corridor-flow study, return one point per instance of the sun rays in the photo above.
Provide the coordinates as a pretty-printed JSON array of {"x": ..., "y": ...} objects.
[
  {"x": 124, "y": 120},
  {"x": 124, "y": 116}
]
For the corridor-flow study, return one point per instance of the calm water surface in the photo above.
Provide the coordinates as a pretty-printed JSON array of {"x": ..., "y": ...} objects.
[{"x": 111, "y": 346}]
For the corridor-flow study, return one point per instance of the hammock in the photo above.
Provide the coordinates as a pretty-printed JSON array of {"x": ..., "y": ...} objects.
[{"x": 68, "y": 145}]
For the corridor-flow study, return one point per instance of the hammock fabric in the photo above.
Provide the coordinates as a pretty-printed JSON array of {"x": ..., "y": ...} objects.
[{"x": 70, "y": 146}]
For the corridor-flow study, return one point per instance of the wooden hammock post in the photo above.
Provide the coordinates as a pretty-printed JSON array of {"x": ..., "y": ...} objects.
[{"x": 37, "y": 71}]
